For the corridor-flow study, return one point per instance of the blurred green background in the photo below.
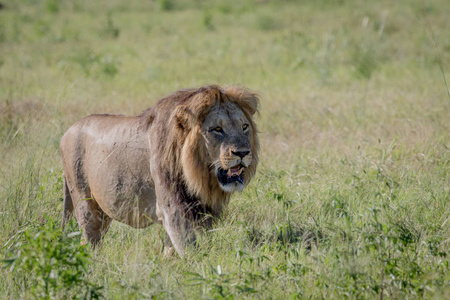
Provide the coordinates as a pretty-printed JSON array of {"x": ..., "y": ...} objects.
[{"x": 351, "y": 197}]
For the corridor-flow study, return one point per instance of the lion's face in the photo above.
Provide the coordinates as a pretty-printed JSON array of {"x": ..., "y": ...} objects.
[
  {"x": 219, "y": 139},
  {"x": 227, "y": 134}
]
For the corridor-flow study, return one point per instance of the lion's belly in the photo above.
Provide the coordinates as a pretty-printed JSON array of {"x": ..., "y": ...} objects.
[
  {"x": 127, "y": 197},
  {"x": 135, "y": 207}
]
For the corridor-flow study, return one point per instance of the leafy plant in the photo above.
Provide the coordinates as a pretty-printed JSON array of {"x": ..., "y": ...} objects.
[
  {"x": 365, "y": 62},
  {"x": 52, "y": 6},
  {"x": 51, "y": 262},
  {"x": 108, "y": 65},
  {"x": 110, "y": 29},
  {"x": 208, "y": 20},
  {"x": 90, "y": 62},
  {"x": 266, "y": 23},
  {"x": 166, "y": 5},
  {"x": 219, "y": 285}
]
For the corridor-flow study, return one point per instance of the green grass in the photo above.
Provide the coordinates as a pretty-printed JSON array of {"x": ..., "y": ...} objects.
[{"x": 352, "y": 195}]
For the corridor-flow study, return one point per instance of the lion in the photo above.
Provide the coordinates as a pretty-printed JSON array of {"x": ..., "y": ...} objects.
[{"x": 176, "y": 164}]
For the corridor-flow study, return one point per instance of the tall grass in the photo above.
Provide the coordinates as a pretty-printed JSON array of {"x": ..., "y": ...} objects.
[{"x": 351, "y": 196}]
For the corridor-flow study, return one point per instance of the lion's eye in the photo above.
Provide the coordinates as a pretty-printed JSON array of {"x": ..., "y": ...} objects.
[
  {"x": 218, "y": 129},
  {"x": 244, "y": 127}
]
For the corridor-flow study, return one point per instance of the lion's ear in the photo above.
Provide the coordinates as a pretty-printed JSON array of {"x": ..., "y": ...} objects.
[
  {"x": 246, "y": 99},
  {"x": 250, "y": 103},
  {"x": 183, "y": 117}
]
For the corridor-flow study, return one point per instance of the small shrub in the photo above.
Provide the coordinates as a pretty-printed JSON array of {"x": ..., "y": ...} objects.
[
  {"x": 365, "y": 62},
  {"x": 2, "y": 31},
  {"x": 266, "y": 23},
  {"x": 109, "y": 65},
  {"x": 208, "y": 20},
  {"x": 50, "y": 262},
  {"x": 90, "y": 62},
  {"x": 42, "y": 28},
  {"x": 52, "y": 6},
  {"x": 84, "y": 58},
  {"x": 110, "y": 30},
  {"x": 218, "y": 285},
  {"x": 225, "y": 8},
  {"x": 166, "y": 5}
]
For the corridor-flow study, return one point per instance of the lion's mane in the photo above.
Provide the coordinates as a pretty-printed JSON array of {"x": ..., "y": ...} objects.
[{"x": 182, "y": 156}]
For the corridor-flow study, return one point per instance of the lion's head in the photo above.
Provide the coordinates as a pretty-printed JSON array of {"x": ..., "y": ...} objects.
[
  {"x": 211, "y": 142},
  {"x": 226, "y": 132}
]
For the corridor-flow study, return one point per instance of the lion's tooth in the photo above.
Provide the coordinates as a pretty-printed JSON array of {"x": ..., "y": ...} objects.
[
  {"x": 240, "y": 171},
  {"x": 229, "y": 172}
]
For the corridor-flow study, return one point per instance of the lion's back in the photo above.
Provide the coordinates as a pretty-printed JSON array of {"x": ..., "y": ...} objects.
[{"x": 107, "y": 157}]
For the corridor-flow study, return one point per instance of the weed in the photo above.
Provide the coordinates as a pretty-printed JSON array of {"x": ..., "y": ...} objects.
[
  {"x": 8, "y": 123},
  {"x": 219, "y": 285},
  {"x": 166, "y": 5},
  {"x": 42, "y": 28},
  {"x": 90, "y": 62},
  {"x": 2, "y": 31},
  {"x": 55, "y": 262},
  {"x": 109, "y": 65},
  {"x": 52, "y": 6},
  {"x": 225, "y": 8},
  {"x": 266, "y": 22},
  {"x": 110, "y": 29},
  {"x": 208, "y": 20},
  {"x": 365, "y": 62}
]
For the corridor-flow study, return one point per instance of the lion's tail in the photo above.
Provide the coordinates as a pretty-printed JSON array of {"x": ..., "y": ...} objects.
[{"x": 68, "y": 204}]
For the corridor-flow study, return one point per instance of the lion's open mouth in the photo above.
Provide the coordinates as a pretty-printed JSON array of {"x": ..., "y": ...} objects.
[{"x": 233, "y": 174}]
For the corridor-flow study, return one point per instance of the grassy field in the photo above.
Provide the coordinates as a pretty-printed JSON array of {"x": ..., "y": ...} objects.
[{"x": 352, "y": 195}]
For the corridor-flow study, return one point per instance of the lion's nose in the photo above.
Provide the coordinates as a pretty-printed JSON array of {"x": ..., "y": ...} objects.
[{"x": 241, "y": 154}]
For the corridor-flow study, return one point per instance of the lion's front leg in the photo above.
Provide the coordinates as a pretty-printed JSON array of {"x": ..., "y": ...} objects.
[
  {"x": 169, "y": 250},
  {"x": 178, "y": 227}
]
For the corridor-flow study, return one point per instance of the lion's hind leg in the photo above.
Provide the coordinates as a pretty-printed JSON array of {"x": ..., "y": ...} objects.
[
  {"x": 93, "y": 221},
  {"x": 68, "y": 205}
]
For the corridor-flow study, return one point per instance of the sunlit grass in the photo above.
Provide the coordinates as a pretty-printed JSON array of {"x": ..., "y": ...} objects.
[{"x": 351, "y": 196}]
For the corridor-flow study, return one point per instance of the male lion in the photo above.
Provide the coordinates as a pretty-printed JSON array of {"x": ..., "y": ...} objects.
[{"x": 176, "y": 164}]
